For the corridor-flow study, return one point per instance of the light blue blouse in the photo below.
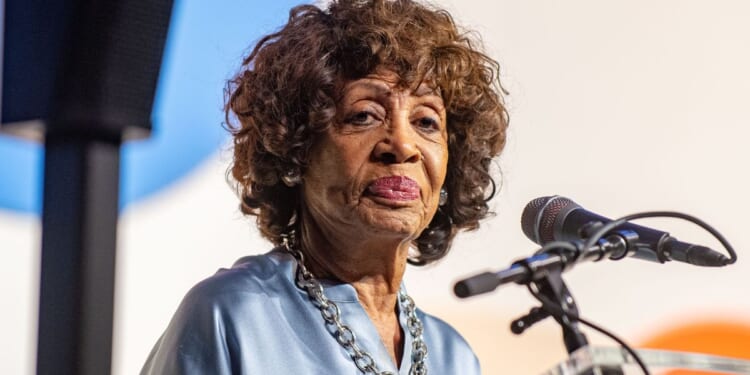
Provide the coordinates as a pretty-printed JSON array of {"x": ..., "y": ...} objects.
[{"x": 252, "y": 319}]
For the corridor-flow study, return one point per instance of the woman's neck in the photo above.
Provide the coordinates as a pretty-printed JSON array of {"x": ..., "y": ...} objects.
[{"x": 375, "y": 268}]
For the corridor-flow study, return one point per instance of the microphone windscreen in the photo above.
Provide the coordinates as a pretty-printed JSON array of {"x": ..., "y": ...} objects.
[{"x": 539, "y": 216}]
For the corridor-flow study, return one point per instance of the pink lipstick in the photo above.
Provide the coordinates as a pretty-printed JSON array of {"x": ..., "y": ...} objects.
[{"x": 399, "y": 188}]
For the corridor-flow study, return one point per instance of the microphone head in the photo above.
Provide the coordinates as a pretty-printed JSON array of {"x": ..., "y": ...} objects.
[{"x": 539, "y": 217}]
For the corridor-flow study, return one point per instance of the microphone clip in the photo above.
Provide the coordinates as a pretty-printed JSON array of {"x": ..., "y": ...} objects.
[{"x": 535, "y": 315}]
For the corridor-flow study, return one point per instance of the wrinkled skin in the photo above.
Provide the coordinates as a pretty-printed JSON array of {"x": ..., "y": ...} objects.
[{"x": 353, "y": 229}]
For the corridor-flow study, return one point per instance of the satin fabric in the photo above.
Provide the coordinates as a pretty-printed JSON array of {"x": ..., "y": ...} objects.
[{"x": 252, "y": 319}]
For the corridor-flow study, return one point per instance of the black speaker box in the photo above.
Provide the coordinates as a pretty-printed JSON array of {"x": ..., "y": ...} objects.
[{"x": 82, "y": 66}]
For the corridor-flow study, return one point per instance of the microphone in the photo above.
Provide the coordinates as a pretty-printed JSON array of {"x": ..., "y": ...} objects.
[{"x": 557, "y": 218}]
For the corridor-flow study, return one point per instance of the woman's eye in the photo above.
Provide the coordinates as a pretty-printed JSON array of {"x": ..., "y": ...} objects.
[
  {"x": 428, "y": 123},
  {"x": 361, "y": 118}
]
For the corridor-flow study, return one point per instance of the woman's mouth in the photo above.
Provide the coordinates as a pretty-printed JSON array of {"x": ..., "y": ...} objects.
[{"x": 398, "y": 188}]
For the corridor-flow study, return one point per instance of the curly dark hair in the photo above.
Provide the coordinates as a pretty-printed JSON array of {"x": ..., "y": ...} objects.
[{"x": 287, "y": 90}]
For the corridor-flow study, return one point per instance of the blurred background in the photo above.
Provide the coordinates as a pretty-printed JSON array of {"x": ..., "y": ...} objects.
[{"x": 622, "y": 107}]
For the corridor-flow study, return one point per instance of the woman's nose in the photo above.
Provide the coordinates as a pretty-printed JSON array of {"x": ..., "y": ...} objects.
[{"x": 399, "y": 143}]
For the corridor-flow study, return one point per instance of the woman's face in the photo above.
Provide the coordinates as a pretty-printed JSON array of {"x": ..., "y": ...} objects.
[{"x": 380, "y": 167}]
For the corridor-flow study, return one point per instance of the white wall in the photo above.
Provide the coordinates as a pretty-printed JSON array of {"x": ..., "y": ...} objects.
[{"x": 621, "y": 106}]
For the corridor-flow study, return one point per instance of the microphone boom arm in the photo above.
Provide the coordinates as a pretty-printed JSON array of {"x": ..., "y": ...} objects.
[{"x": 555, "y": 256}]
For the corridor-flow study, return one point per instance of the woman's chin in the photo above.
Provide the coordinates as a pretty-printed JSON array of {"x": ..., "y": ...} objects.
[{"x": 403, "y": 222}]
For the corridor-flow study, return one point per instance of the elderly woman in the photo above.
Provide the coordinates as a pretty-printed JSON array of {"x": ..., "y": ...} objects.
[{"x": 363, "y": 135}]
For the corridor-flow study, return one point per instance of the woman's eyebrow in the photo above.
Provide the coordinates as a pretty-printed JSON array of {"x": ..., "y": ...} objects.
[
  {"x": 425, "y": 90},
  {"x": 374, "y": 86}
]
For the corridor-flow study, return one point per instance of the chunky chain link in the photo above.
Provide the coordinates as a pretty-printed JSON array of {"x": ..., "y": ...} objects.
[
  {"x": 418, "y": 346},
  {"x": 343, "y": 334}
]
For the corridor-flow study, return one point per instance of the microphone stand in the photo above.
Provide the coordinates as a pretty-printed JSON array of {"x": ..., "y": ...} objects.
[
  {"x": 554, "y": 289},
  {"x": 543, "y": 272},
  {"x": 546, "y": 277}
]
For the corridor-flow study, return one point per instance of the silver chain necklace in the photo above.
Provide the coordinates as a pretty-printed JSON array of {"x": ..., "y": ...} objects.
[{"x": 343, "y": 334}]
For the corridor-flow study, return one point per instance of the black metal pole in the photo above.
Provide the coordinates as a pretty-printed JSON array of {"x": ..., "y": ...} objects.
[
  {"x": 87, "y": 70},
  {"x": 78, "y": 256},
  {"x": 553, "y": 287}
]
